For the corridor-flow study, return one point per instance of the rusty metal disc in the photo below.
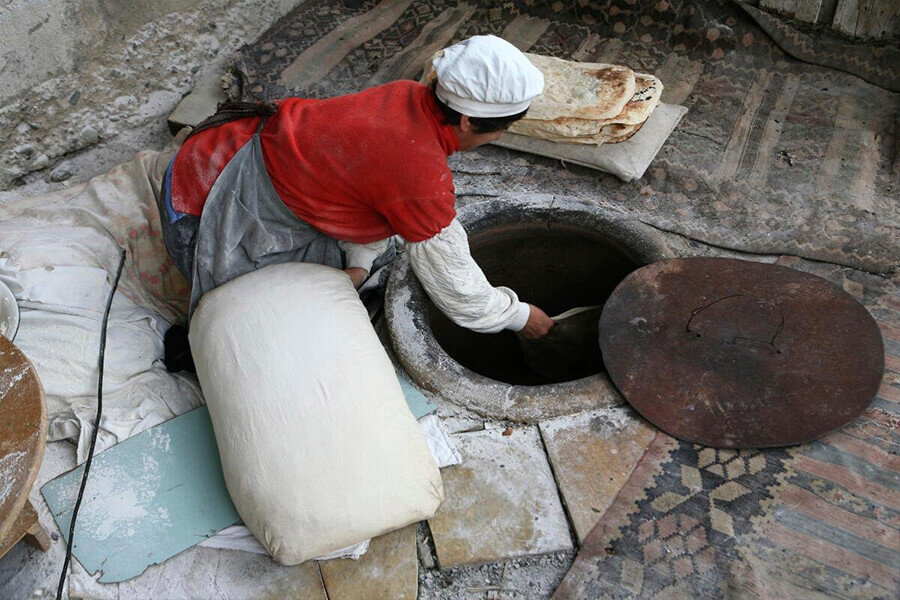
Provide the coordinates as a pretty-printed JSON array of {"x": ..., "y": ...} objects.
[{"x": 737, "y": 354}]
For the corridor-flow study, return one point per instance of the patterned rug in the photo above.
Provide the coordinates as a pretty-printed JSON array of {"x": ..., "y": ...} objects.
[
  {"x": 775, "y": 156},
  {"x": 875, "y": 64},
  {"x": 816, "y": 521}
]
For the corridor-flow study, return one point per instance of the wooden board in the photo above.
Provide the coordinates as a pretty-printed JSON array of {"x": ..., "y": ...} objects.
[
  {"x": 23, "y": 431},
  {"x": 147, "y": 498},
  {"x": 868, "y": 19},
  {"x": 27, "y": 527},
  {"x": 802, "y": 10}
]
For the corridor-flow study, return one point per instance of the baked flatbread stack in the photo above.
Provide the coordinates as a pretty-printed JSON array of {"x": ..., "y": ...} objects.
[
  {"x": 585, "y": 103},
  {"x": 588, "y": 103}
]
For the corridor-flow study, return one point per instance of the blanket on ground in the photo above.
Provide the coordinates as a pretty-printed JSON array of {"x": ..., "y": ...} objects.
[
  {"x": 774, "y": 156},
  {"x": 58, "y": 254}
]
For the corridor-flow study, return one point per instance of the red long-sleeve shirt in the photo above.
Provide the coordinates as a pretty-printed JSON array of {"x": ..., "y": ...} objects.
[{"x": 359, "y": 168}]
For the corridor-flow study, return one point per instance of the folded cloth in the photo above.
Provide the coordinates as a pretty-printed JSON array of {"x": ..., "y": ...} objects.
[{"x": 627, "y": 160}]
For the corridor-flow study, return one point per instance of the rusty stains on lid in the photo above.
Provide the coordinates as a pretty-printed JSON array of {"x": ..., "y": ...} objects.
[{"x": 736, "y": 354}]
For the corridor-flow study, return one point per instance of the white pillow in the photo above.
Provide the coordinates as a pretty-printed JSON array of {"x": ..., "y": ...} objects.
[
  {"x": 626, "y": 160},
  {"x": 318, "y": 447}
]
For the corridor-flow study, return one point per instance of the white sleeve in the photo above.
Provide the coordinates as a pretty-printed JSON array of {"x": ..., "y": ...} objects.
[
  {"x": 363, "y": 255},
  {"x": 458, "y": 287}
]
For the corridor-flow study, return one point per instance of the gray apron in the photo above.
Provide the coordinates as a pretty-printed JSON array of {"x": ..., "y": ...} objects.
[{"x": 246, "y": 226}]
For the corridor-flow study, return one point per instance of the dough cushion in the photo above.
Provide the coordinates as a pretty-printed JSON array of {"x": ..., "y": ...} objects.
[{"x": 318, "y": 447}]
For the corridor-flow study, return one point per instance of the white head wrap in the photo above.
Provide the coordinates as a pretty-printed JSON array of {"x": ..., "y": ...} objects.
[{"x": 485, "y": 76}]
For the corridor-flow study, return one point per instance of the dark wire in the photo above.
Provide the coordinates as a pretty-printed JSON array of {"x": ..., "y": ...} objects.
[{"x": 90, "y": 456}]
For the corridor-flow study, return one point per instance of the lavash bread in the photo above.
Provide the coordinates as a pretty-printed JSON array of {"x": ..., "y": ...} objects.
[
  {"x": 580, "y": 90},
  {"x": 584, "y": 103},
  {"x": 612, "y": 130}
]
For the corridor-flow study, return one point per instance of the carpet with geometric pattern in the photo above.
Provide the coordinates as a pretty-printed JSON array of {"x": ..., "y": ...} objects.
[
  {"x": 815, "y": 521},
  {"x": 775, "y": 155}
]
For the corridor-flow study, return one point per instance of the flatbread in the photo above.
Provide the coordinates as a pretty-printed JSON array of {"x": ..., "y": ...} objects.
[
  {"x": 429, "y": 75},
  {"x": 648, "y": 90},
  {"x": 627, "y": 132},
  {"x": 580, "y": 90},
  {"x": 571, "y": 89},
  {"x": 642, "y": 103},
  {"x": 608, "y": 134}
]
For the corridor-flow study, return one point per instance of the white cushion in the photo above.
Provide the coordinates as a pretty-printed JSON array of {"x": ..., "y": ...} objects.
[
  {"x": 626, "y": 160},
  {"x": 318, "y": 447}
]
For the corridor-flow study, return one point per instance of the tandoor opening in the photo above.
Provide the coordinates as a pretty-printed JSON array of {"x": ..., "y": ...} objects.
[{"x": 553, "y": 266}]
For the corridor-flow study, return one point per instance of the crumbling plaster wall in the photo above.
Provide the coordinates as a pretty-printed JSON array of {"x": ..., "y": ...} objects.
[
  {"x": 41, "y": 38},
  {"x": 75, "y": 72}
]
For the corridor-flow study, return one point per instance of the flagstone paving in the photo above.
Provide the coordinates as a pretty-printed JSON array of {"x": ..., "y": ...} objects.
[
  {"x": 389, "y": 569},
  {"x": 593, "y": 454},
  {"x": 201, "y": 572},
  {"x": 501, "y": 502}
]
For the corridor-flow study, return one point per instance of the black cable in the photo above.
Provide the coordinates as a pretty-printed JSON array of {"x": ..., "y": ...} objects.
[{"x": 90, "y": 456}]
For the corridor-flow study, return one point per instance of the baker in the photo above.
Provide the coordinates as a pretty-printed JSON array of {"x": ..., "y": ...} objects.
[{"x": 331, "y": 181}]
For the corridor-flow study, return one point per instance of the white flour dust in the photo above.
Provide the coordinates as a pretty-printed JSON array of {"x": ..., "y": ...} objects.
[
  {"x": 9, "y": 466},
  {"x": 10, "y": 376}
]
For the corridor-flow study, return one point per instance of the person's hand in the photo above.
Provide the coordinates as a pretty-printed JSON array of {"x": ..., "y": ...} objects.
[
  {"x": 538, "y": 324},
  {"x": 357, "y": 275}
]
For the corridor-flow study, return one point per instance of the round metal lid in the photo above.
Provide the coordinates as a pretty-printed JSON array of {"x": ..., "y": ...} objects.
[{"x": 736, "y": 354}]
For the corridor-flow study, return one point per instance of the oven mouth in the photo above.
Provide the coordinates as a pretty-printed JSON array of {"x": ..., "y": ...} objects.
[
  {"x": 556, "y": 268},
  {"x": 554, "y": 252}
]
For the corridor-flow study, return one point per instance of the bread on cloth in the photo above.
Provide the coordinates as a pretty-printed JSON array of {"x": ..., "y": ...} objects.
[{"x": 583, "y": 103}]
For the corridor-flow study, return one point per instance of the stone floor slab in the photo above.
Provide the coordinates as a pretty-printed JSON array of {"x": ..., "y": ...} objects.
[
  {"x": 593, "y": 454},
  {"x": 501, "y": 502},
  {"x": 199, "y": 104},
  {"x": 389, "y": 569},
  {"x": 207, "y": 573}
]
